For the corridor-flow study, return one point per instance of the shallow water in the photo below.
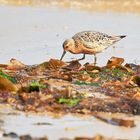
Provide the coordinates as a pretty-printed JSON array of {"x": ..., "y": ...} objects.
[{"x": 34, "y": 35}]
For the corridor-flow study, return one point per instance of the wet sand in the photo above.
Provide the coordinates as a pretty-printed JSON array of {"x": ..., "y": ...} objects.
[
  {"x": 34, "y": 35},
  {"x": 68, "y": 126}
]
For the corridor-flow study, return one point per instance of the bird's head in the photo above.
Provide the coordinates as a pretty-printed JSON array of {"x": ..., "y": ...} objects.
[{"x": 68, "y": 45}]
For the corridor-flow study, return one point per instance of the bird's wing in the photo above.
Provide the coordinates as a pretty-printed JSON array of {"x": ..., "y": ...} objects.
[{"x": 92, "y": 39}]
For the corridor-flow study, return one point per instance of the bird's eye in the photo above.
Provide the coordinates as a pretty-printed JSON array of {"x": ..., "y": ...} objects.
[{"x": 66, "y": 47}]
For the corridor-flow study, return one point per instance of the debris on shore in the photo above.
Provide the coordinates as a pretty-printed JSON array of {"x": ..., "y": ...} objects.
[{"x": 60, "y": 88}]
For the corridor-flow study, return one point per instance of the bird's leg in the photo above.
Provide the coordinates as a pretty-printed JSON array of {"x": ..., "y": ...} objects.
[
  {"x": 81, "y": 58},
  {"x": 78, "y": 59},
  {"x": 95, "y": 59}
]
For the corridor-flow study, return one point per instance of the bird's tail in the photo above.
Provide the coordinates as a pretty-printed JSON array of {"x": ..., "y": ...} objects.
[
  {"x": 114, "y": 39},
  {"x": 122, "y": 36}
]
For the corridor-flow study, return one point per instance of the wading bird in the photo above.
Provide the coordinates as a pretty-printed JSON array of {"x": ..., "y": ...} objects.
[{"x": 89, "y": 42}]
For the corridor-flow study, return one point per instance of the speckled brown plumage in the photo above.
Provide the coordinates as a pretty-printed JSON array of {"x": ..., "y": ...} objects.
[{"x": 89, "y": 42}]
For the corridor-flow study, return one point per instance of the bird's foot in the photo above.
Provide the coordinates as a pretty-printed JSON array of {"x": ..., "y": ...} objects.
[{"x": 68, "y": 61}]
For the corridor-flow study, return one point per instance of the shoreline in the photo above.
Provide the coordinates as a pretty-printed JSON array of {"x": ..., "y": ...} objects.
[{"x": 126, "y": 6}]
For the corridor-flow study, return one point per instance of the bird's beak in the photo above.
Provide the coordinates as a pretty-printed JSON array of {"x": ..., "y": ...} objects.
[{"x": 64, "y": 52}]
